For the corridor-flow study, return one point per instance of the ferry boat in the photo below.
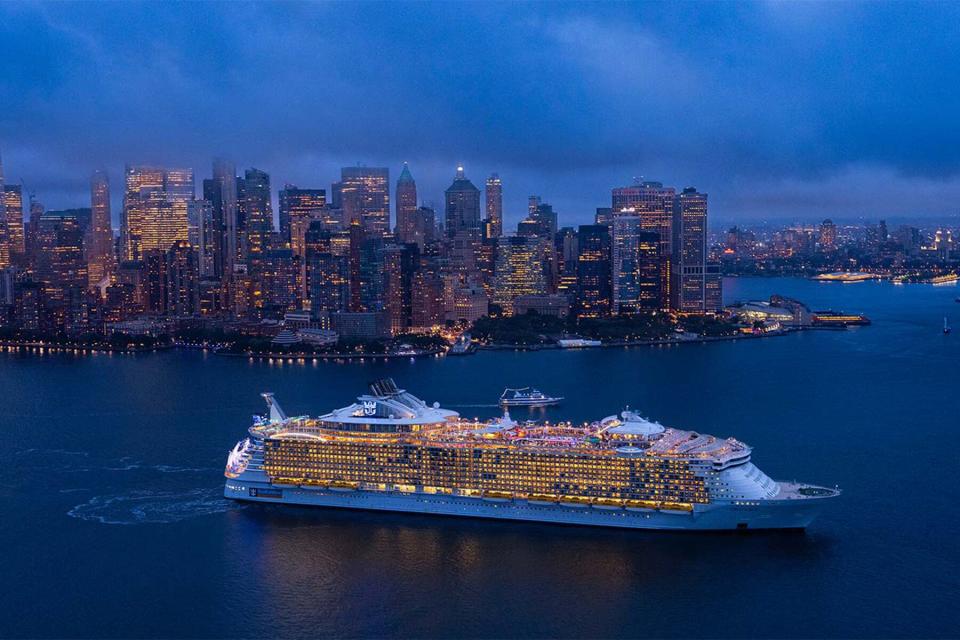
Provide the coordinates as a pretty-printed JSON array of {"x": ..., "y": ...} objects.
[
  {"x": 578, "y": 343},
  {"x": 527, "y": 397},
  {"x": 391, "y": 451}
]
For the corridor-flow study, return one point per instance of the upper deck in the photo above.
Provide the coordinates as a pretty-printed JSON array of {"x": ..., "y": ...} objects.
[{"x": 390, "y": 414}]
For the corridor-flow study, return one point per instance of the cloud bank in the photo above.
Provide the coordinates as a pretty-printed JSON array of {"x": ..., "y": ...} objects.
[{"x": 775, "y": 109}]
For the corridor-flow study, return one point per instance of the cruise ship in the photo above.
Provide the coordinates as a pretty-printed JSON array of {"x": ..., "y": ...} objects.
[{"x": 391, "y": 451}]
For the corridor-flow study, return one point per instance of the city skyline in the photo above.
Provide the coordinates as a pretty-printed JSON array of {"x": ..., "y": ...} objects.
[{"x": 763, "y": 106}]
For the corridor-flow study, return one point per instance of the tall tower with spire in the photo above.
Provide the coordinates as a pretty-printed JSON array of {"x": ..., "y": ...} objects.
[{"x": 406, "y": 206}]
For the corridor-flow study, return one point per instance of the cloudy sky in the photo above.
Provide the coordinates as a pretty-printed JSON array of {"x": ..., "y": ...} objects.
[{"x": 790, "y": 111}]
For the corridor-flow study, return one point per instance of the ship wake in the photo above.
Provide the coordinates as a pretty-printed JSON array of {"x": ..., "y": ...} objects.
[{"x": 152, "y": 507}]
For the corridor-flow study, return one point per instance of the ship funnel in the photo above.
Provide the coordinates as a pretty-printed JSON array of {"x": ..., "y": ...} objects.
[{"x": 276, "y": 413}]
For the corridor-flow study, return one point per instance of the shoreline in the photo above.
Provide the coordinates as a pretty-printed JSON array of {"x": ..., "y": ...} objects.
[
  {"x": 330, "y": 356},
  {"x": 645, "y": 343},
  {"x": 31, "y": 346}
]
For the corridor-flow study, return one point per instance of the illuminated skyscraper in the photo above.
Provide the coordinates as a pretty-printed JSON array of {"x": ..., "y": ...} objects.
[
  {"x": 60, "y": 262},
  {"x": 365, "y": 196},
  {"x": 99, "y": 248},
  {"x": 223, "y": 197},
  {"x": 183, "y": 280},
  {"x": 690, "y": 259},
  {"x": 425, "y": 226},
  {"x": 407, "y": 207},
  {"x": 427, "y": 294},
  {"x": 604, "y": 215},
  {"x": 565, "y": 246},
  {"x": 593, "y": 271},
  {"x": 494, "y": 205},
  {"x": 398, "y": 264},
  {"x": 13, "y": 199},
  {"x": 828, "y": 236},
  {"x": 635, "y": 266},
  {"x": 258, "y": 214},
  {"x": 653, "y": 203},
  {"x": 541, "y": 220},
  {"x": 4, "y": 232},
  {"x": 204, "y": 235},
  {"x": 279, "y": 278},
  {"x": 519, "y": 270},
  {"x": 141, "y": 185},
  {"x": 296, "y": 206},
  {"x": 154, "y": 209},
  {"x": 462, "y": 205},
  {"x": 327, "y": 282}
]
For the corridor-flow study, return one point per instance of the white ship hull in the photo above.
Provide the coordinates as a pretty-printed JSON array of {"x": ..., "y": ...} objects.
[{"x": 767, "y": 514}]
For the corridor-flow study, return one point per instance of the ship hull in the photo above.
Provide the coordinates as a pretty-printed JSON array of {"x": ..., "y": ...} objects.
[{"x": 769, "y": 514}]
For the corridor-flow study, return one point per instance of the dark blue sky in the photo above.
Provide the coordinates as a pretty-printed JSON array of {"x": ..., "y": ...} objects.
[{"x": 793, "y": 111}]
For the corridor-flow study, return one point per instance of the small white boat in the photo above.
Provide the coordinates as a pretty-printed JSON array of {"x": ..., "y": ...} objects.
[
  {"x": 527, "y": 397},
  {"x": 946, "y": 326}
]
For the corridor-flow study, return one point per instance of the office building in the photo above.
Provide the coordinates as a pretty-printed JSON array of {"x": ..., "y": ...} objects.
[
  {"x": 365, "y": 197},
  {"x": 462, "y": 201},
  {"x": 407, "y": 226},
  {"x": 99, "y": 245},
  {"x": 594, "y": 294},
  {"x": 519, "y": 270},
  {"x": 298, "y": 204},
  {"x": 494, "y": 206}
]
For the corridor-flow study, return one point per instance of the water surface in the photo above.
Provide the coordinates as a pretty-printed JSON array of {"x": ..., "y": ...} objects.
[{"x": 113, "y": 524}]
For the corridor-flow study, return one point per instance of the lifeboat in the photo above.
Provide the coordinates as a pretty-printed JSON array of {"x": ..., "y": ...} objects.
[
  {"x": 608, "y": 503},
  {"x": 543, "y": 499},
  {"x": 342, "y": 485},
  {"x": 497, "y": 496},
  {"x": 576, "y": 501},
  {"x": 641, "y": 505},
  {"x": 680, "y": 508}
]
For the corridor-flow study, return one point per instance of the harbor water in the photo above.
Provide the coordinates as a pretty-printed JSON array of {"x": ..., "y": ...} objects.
[{"x": 114, "y": 523}]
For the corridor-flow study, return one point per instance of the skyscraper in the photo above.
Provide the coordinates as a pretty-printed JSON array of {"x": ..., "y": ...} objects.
[
  {"x": 298, "y": 205},
  {"x": 365, "y": 195},
  {"x": 654, "y": 204},
  {"x": 140, "y": 183},
  {"x": 154, "y": 209},
  {"x": 223, "y": 197},
  {"x": 4, "y": 233},
  {"x": 690, "y": 268},
  {"x": 100, "y": 235},
  {"x": 60, "y": 262},
  {"x": 519, "y": 270},
  {"x": 258, "y": 210},
  {"x": 494, "y": 205},
  {"x": 541, "y": 219},
  {"x": 326, "y": 282},
  {"x": 13, "y": 200},
  {"x": 593, "y": 271},
  {"x": 828, "y": 236},
  {"x": 462, "y": 210},
  {"x": 204, "y": 235},
  {"x": 183, "y": 280},
  {"x": 635, "y": 266},
  {"x": 407, "y": 207},
  {"x": 565, "y": 246}
]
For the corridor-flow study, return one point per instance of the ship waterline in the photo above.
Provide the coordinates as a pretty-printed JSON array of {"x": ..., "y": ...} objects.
[{"x": 390, "y": 451}]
